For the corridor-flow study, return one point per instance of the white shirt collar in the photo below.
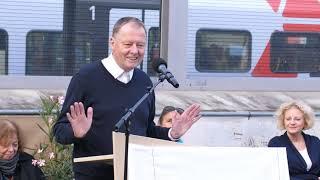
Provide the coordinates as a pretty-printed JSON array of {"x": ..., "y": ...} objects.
[{"x": 114, "y": 69}]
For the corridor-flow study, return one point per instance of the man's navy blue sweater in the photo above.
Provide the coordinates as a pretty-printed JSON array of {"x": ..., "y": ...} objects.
[{"x": 95, "y": 87}]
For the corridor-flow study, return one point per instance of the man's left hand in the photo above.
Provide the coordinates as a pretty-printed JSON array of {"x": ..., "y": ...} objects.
[{"x": 182, "y": 123}]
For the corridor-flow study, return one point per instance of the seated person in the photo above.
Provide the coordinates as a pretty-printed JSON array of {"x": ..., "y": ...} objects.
[
  {"x": 303, "y": 150},
  {"x": 166, "y": 116},
  {"x": 15, "y": 164}
]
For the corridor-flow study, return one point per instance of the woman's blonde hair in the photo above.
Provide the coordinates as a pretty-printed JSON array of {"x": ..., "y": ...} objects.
[
  {"x": 9, "y": 129},
  {"x": 308, "y": 113}
]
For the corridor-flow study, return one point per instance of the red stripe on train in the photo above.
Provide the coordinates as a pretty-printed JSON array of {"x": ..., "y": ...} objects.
[
  {"x": 302, "y": 27},
  {"x": 302, "y": 9},
  {"x": 274, "y": 4}
]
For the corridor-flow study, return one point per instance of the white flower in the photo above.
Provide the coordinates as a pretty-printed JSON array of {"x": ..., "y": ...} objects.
[
  {"x": 52, "y": 98},
  {"x": 40, "y": 150},
  {"x": 61, "y": 100},
  {"x": 50, "y": 120},
  {"x": 51, "y": 155},
  {"x": 34, "y": 162},
  {"x": 41, "y": 162}
]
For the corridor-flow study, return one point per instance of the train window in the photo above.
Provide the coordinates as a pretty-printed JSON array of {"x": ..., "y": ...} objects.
[
  {"x": 153, "y": 48},
  {"x": 45, "y": 52},
  {"x": 3, "y": 52},
  {"x": 223, "y": 51},
  {"x": 83, "y": 50},
  {"x": 295, "y": 52}
]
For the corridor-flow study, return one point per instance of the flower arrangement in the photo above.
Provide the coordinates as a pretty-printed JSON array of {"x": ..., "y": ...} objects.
[{"x": 54, "y": 159}]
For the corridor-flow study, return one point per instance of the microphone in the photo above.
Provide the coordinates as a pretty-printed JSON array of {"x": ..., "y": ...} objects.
[{"x": 160, "y": 66}]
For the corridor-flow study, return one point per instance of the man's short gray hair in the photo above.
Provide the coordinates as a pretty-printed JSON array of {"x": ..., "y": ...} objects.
[{"x": 125, "y": 20}]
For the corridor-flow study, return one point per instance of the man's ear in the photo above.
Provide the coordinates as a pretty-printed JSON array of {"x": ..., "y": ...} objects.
[{"x": 111, "y": 42}]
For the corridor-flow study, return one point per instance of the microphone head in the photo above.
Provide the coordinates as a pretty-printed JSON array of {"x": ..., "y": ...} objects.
[{"x": 156, "y": 63}]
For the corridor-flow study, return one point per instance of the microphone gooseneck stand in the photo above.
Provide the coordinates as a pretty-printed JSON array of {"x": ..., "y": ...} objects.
[{"x": 126, "y": 120}]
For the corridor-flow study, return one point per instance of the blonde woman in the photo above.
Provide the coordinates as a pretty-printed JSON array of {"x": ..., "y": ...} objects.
[{"x": 303, "y": 150}]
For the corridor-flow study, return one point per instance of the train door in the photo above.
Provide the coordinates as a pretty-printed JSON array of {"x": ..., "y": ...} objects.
[{"x": 97, "y": 18}]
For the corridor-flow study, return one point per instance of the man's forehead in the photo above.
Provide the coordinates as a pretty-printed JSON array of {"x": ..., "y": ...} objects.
[{"x": 131, "y": 26}]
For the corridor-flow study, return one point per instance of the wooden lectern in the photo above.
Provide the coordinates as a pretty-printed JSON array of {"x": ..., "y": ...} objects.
[
  {"x": 155, "y": 159},
  {"x": 117, "y": 158}
]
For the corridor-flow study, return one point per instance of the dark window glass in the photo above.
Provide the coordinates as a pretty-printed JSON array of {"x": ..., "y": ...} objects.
[
  {"x": 224, "y": 51},
  {"x": 45, "y": 53},
  {"x": 153, "y": 48},
  {"x": 3, "y": 52},
  {"x": 83, "y": 50},
  {"x": 295, "y": 52}
]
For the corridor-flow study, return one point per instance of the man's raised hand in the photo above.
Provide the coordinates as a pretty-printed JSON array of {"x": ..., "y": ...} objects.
[
  {"x": 80, "y": 122},
  {"x": 182, "y": 123}
]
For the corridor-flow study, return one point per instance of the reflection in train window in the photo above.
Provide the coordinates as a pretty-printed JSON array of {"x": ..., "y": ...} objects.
[
  {"x": 83, "y": 50},
  {"x": 153, "y": 48},
  {"x": 295, "y": 52},
  {"x": 45, "y": 52},
  {"x": 3, "y": 52},
  {"x": 224, "y": 51}
]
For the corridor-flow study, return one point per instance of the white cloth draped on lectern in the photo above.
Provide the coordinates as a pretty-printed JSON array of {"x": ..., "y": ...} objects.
[{"x": 207, "y": 163}]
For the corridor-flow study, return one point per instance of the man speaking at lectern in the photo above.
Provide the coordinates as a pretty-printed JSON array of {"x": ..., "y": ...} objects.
[{"x": 98, "y": 96}]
